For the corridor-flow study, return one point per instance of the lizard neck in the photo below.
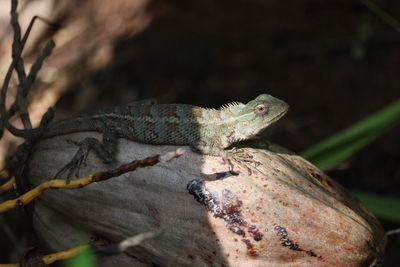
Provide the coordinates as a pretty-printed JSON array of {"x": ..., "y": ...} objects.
[{"x": 230, "y": 126}]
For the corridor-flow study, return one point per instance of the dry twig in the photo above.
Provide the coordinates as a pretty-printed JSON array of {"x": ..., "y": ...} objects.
[
  {"x": 5, "y": 174},
  {"x": 20, "y": 104},
  {"x": 51, "y": 258},
  {"x": 108, "y": 249},
  {"x": 79, "y": 183},
  {"x": 384, "y": 16},
  {"x": 7, "y": 186}
]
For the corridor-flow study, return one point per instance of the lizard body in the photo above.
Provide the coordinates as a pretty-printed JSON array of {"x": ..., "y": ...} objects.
[{"x": 207, "y": 130}]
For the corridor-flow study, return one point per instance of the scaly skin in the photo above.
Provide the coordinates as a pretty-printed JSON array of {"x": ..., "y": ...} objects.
[{"x": 207, "y": 130}]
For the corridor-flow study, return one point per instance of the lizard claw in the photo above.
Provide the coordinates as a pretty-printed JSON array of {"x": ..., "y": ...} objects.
[
  {"x": 241, "y": 156},
  {"x": 79, "y": 159}
]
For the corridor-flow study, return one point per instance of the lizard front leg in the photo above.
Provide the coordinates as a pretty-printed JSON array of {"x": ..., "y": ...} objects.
[
  {"x": 234, "y": 154},
  {"x": 105, "y": 150}
]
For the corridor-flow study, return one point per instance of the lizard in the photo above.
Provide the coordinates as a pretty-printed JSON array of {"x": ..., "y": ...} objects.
[{"x": 206, "y": 130}]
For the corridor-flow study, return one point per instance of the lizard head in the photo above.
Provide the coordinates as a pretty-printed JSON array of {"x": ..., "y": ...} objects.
[{"x": 253, "y": 117}]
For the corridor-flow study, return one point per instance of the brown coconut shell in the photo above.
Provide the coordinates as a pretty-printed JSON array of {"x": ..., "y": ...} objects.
[{"x": 277, "y": 210}]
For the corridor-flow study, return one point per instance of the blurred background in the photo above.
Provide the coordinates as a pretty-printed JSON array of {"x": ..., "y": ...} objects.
[{"x": 334, "y": 62}]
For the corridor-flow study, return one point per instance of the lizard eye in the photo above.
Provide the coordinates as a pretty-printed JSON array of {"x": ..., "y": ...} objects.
[{"x": 261, "y": 109}]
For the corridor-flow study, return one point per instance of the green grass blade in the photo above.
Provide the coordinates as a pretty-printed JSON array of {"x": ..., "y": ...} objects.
[
  {"x": 382, "y": 207},
  {"x": 333, "y": 150}
]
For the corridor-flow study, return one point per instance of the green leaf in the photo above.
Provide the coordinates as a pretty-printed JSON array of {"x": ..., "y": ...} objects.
[
  {"x": 340, "y": 146},
  {"x": 383, "y": 207},
  {"x": 84, "y": 259}
]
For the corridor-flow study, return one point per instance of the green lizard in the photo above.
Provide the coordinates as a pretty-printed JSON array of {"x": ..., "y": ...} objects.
[{"x": 208, "y": 131}]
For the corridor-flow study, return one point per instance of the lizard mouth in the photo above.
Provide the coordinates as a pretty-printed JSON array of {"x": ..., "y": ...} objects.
[{"x": 280, "y": 115}]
